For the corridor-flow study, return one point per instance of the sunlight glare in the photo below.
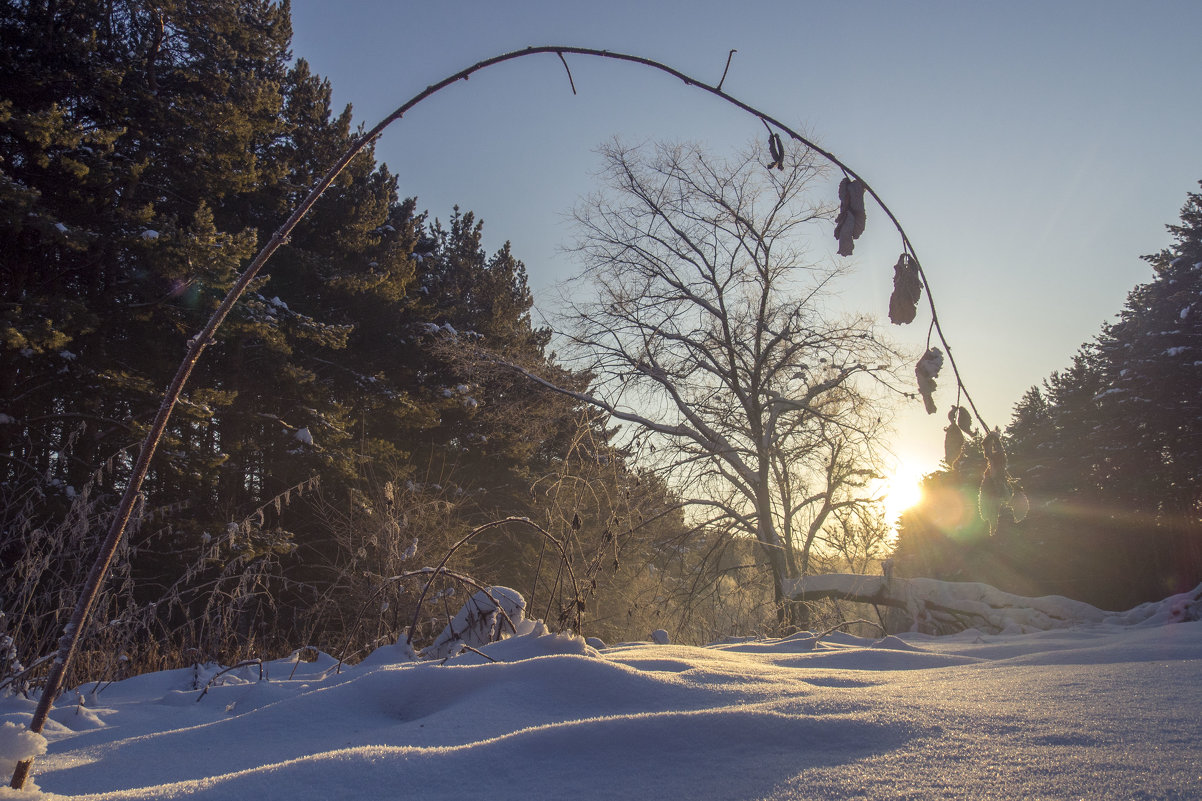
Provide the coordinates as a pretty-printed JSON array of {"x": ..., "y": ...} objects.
[{"x": 902, "y": 490}]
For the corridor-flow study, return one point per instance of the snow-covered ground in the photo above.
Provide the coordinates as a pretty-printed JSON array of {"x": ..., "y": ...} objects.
[{"x": 1097, "y": 711}]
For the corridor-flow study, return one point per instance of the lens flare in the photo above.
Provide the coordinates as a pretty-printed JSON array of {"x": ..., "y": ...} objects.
[{"x": 902, "y": 490}]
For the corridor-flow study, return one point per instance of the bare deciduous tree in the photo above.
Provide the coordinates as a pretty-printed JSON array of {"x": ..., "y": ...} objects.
[{"x": 703, "y": 321}]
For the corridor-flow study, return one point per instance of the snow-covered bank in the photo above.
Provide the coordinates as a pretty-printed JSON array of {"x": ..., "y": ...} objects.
[
  {"x": 933, "y": 605},
  {"x": 1098, "y": 711}
]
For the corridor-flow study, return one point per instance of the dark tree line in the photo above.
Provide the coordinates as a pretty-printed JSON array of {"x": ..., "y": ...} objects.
[
  {"x": 1109, "y": 451},
  {"x": 145, "y": 151}
]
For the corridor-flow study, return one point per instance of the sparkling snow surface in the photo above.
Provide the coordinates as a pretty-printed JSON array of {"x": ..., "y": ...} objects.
[{"x": 1099, "y": 711}]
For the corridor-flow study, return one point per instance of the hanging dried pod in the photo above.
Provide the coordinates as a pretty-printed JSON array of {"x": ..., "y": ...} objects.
[
  {"x": 964, "y": 421},
  {"x": 953, "y": 445},
  {"x": 926, "y": 371},
  {"x": 1020, "y": 506},
  {"x": 776, "y": 149},
  {"x": 995, "y": 454},
  {"x": 850, "y": 222},
  {"x": 907, "y": 289},
  {"x": 989, "y": 503},
  {"x": 995, "y": 486}
]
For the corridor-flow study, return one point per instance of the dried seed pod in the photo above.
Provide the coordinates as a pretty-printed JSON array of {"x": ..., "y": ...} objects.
[
  {"x": 995, "y": 454},
  {"x": 850, "y": 222},
  {"x": 907, "y": 289},
  {"x": 776, "y": 149},
  {"x": 1020, "y": 506},
  {"x": 995, "y": 485},
  {"x": 989, "y": 504},
  {"x": 964, "y": 420},
  {"x": 953, "y": 445},
  {"x": 926, "y": 371}
]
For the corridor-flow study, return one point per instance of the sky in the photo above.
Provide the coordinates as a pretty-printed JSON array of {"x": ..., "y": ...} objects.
[
  {"x": 1033, "y": 151},
  {"x": 1102, "y": 710}
]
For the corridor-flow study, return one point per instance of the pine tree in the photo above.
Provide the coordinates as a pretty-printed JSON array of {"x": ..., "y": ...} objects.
[
  {"x": 1154, "y": 366},
  {"x": 1109, "y": 450},
  {"x": 494, "y": 430},
  {"x": 145, "y": 154}
]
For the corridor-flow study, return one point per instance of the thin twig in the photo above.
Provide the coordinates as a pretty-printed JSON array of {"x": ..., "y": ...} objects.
[
  {"x": 222, "y": 672},
  {"x": 840, "y": 625},
  {"x": 538, "y": 569},
  {"x": 15, "y": 678},
  {"x": 563, "y": 555},
  {"x": 571, "y": 82},
  {"x": 297, "y": 654},
  {"x": 729, "y": 56},
  {"x": 467, "y": 647},
  {"x": 425, "y": 571},
  {"x": 554, "y": 589}
]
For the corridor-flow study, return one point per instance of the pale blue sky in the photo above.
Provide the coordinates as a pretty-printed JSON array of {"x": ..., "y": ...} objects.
[{"x": 1032, "y": 150}]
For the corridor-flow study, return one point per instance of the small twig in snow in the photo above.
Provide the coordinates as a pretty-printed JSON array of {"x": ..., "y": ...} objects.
[{"x": 223, "y": 671}]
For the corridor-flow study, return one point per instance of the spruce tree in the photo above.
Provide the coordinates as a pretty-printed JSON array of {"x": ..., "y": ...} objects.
[{"x": 1109, "y": 450}]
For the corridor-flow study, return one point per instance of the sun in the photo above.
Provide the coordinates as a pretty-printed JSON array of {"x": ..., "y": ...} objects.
[{"x": 903, "y": 489}]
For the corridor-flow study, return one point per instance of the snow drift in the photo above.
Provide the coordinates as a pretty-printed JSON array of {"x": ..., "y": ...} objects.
[{"x": 1097, "y": 710}]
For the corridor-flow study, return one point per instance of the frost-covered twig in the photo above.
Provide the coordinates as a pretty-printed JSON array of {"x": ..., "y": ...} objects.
[
  {"x": 467, "y": 647},
  {"x": 223, "y": 671},
  {"x": 841, "y": 624},
  {"x": 433, "y": 573},
  {"x": 525, "y": 521},
  {"x": 16, "y": 678}
]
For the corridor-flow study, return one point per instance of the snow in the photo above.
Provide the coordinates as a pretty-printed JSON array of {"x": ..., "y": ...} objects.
[
  {"x": 478, "y": 623},
  {"x": 931, "y": 601},
  {"x": 1096, "y": 710},
  {"x": 17, "y": 744},
  {"x": 304, "y": 436},
  {"x": 150, "y": 234}
]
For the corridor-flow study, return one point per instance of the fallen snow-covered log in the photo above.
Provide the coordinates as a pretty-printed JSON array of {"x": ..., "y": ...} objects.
[{"x": 934, "y": 605}]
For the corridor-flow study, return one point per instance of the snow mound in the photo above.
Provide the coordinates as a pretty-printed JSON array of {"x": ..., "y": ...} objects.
[
  {"x": 1093, "y": 711},
  {"x": 534, "y": 642},
  {"x": 479, "y": 622},
  {"x": 17, "y": 744}
]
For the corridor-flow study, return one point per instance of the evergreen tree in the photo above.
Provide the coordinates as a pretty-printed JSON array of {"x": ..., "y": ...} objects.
[
  {"x": 145, "y": 152},
  {"x": 1110, "y": 451}
]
